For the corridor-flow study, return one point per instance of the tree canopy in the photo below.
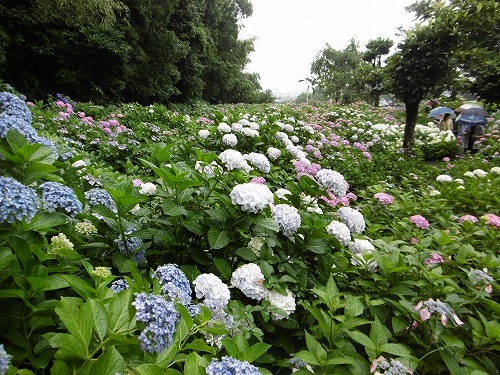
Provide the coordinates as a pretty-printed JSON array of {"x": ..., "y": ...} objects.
[{"x": 131, "y": 50}]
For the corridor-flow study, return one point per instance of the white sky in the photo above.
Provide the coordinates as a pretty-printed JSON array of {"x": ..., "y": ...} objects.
[{"x": 289, "y": 34}]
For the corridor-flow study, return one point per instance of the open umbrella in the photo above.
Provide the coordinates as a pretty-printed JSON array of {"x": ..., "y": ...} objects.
[
  {"x": 439, "y": 111},
  {"x": 470, "y": 120},
  {"x": 470, "y": 105},
  {"x": 478, "y": 111}
]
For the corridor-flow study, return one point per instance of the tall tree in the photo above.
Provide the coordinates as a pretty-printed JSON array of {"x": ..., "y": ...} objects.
[{"x": 333, "y": 72}]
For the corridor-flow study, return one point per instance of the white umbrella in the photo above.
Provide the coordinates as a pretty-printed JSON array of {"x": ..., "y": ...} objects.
[{"x": 470, "y": 105}]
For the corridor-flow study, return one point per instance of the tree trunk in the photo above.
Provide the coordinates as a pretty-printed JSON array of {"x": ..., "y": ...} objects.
[{"x": 411, "y": 121}]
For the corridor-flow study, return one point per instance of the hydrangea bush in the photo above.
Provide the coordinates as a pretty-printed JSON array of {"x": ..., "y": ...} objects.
[{"x": 269, "y": 239}]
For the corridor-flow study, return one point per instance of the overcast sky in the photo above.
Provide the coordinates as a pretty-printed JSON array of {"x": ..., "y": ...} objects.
[{"x": 289, "y": 34}]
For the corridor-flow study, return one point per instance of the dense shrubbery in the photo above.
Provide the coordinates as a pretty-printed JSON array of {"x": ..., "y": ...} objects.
[{"x": 267, "y": 239}]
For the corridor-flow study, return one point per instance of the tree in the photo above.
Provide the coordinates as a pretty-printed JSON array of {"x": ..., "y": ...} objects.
[
  {"x": 334, "y": 72},
  {"x": 419, "y": 67}
]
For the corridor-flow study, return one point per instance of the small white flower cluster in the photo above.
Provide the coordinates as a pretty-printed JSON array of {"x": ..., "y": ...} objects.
[
  {"x": 211, "y": 288},
  {"x": 251, "y": 197},
  {"x": 287, "y": 217},
  {"x": 295, "y": 151},
  {"x": 260, "y": 161},
  {"x": 361, "y": 251},
  {"x": 234, "y": 159},
  {"x": 352, "y": 218},
  {"x": 444, "y": 178},
  {"x": 208, "y": 169},
  {"x": 310, "y": 203},
  {"x": 245, "y": 127},
  {"x": 285, "y": 127},
  {"x": 203, "y": 133},
  {"x": 282, "y": 193},
  {"x": 256, "y": 244},
  {"x": 333, "y": 181},
  {"x": 273, "y": 153},
  {"x": 250, "y": 280},
  {"x": 230, "y": 139},
  {"x": 223, "y": 128},
  {"x": 148, "y": 188},
  {"x": 340, "y": 231}
]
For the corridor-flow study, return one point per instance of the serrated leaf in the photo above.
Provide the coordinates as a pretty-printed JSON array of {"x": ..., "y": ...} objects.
[
  {"x": 255, "y": 351},
  {"x": 362, "y": 339},
  {"x": 148, "y": 369},
  {"x": 317, "y": 246},
  {"x": 110, "y": 363},
  {"x": 44, "y": 221},
  {"x": 200, "y": 345},
  {"x": 268, "y": 223},
  {"x": 246, "y": 253},
  {"x": 379, "y": 334},
  {"x": 194, "y": 364},
  {"x": 120, "y": 314},
  {"x": 78, "y": 323},
  {"x": 84, "y": 289},
  {"x": 316, "y": 348},
  {"x": 353, "y": 306},
  {"x": 308, "y": 358},
  {"x": 217, "y": 238},
  {"x": 397, "y": 349},
  {"x": 71, "y": 343},
  {"x": 99, "y": 318}
]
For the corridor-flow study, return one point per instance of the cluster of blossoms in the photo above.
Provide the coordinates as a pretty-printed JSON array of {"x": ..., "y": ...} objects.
[
  {"x": 435, "y": 259},
  {"x": 340, "y": 231},
  {"x": 4, "y": 360},
  {"x": 57, "y": 196},
  {"x": 15, "y": 114},
  {"x": 119, "y": 285},
  {"x": 160, "y": 317},
  {"x": 469, "y": 218},
  {"x": 233, "y": 159},
  {"x": 251, "y": 197},
  {"x": 256, "y": 243},
  {"x": 297, "y": 364},
  {"x": 481, "y": 279},
  {"x": 380, "y": 366},
  {"x": 287, "y": 217},
  {"x": 419, "y": 221},
  {"x": 362, "y": 250},
  {"x": 444, "y": 178},
  {"x": 97, "y": 196},
  {"x": 384, "y": 198},
  {"x": 231, "y": 366},
  {"x": 19, "y": 202},
  {"x": 61, "y": 242},
  {"x": 273, "y": 153},
  {"x": 174, "y": 283},
  {"x": 260, "y": 161},
  {"x": 211, "y": 289},
  {"x": 208, "y": 169},
  {"x": 230, "y": 139},
  {"x": 352, "y": 218},
  {"x": 492, "y": 219},
  {"x": 426, "y": 308},
  {"x": 250, "y": 280},
  {"x": 333, "y": 181},
  {"x": 102, "y": 272},
  {"x": 147, "y": 188},
  {"x": 130, "y": 246},
  {"x": 85, "y": 227},
  {"x": 203, "y": 133}
]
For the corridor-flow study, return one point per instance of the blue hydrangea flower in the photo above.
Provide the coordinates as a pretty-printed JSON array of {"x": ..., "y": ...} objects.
[
  {"x": 17, "y": 202},
  {"x": 119, "y": 285},
  {"x": 12, "y": 105},
  {"x": 160, "y": 317},
  {"x": 174, "y": 283},
  {"x": 57, "y": 196},
  {"x": 4, "y": 360},
  {"x": 100, "y": 196},
  {"x": 130, "y": 245},
  {"x": 231, "y": 366}
]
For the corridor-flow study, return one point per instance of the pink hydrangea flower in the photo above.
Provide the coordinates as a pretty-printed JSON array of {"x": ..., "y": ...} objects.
[
  {"x": 414, "y": 241},
  {"x": 137, "y": 182},
  {"x": 435, "y": 259},
  {"x": 493, "y": 220},
  {"x": 258, "y": 180},
  {"x": 419, "y": 221},
  {"x": 427, "y": 308},
  {"x": 384, "y": 198},
  {"x": 446, "y": 159},
  {"x": 470, "y": 218}
]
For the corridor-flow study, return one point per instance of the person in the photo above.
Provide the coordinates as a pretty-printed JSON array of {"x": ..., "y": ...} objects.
[
  {"x": 446, "y": 123},
  {"x": 471, "y": 135}
]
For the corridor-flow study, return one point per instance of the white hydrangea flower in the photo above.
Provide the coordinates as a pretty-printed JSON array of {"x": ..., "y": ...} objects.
[
  {"x": 282, "y": 193},
  {"x": 495, "y": 170},
  {"x": 259, "y": 160},
  {"x": 148, "y": 188},
  {"x": 287, "y": 217},
  {"x": 434, "y": 193},
  {"x": 237, "y": 127},
  {"x": 256, "y": 244},
  {"x": 294, "y": 139},
  {"x": 361, "y": 246},
  {"x": 469, "y": 174},
  {"x": 253, "y": 125},
  {"x": 283, "y": 302},
  {"x": 273, "y": 153},
  {"x": 223, "y": 128},
  {"x": 234, "y": 159},
  {"x": 340, "y": 231},
  {"x": 361, "y": 251},
  {"x": 459, "y": 181},
  {"x": 333, "y": 181},
  {"x": 203, "y": 133},
  {"x": 444, "y": 178},
  {"x": 211, "y": 288},
  {"x": 251, "y": 197},
  {"x": 352, "y": 218},
  {"x": 250, "y": 280},
  {"x": 79, "y": 164},
  {"x": 230, "y": 139},
  {"x": 252, "y": 133},
  {"x": 479, "y": 173},
  {"x": 208, "y": 169}
]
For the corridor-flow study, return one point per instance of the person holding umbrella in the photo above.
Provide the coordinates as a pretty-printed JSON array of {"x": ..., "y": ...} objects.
[
  {"x": 446, "y": 123},
  {"x": 472, "y": 130}
]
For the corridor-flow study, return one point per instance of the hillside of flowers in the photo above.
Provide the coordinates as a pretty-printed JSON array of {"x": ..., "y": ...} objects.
[{"x": 244, "y": 239}]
